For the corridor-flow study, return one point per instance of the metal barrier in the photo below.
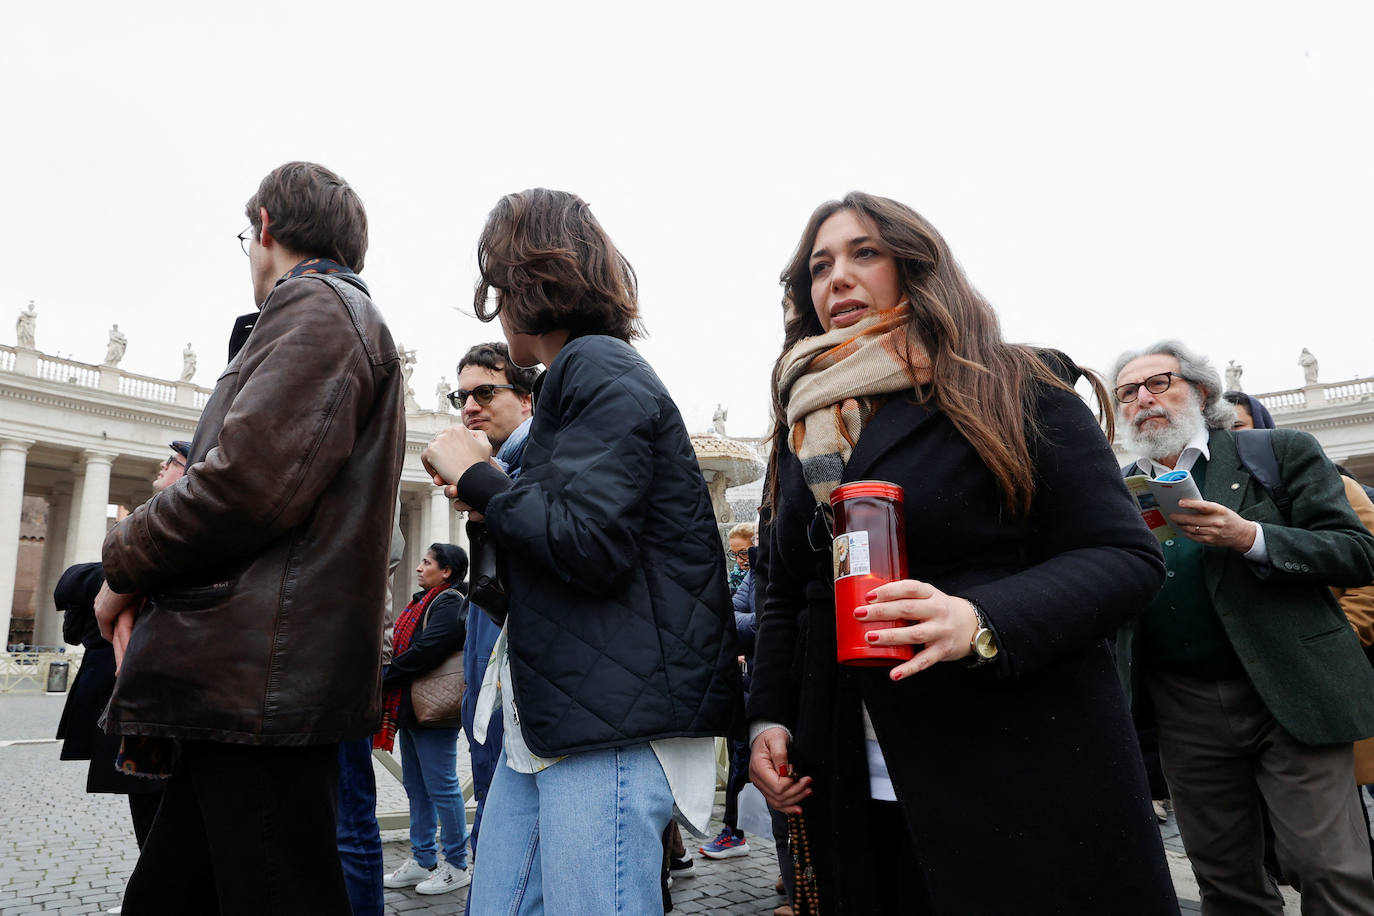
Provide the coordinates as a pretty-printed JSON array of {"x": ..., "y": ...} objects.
[
  {"x": 400, "y": 820},
  {"x": 26, "y": 670}
]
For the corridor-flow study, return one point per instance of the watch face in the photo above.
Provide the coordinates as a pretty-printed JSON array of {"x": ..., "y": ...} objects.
[{"x": 985, "y": 645}]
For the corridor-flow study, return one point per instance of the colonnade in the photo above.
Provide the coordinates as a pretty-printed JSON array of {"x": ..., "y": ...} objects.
[{"x": 83, "y": 438}]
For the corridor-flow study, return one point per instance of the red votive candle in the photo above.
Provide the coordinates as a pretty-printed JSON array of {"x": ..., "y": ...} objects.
[{"x": 869, "y": 550}]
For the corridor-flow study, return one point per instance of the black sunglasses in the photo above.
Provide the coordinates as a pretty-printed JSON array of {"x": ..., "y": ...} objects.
[
  {"x": 483, "y": 394},
  {"x": 1155, "y": 384}
]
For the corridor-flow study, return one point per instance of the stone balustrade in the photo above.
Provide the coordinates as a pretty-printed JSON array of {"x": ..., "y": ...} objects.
[
  {"x": 105, "y": 378},
  {"x": 1347, "y": 392}
]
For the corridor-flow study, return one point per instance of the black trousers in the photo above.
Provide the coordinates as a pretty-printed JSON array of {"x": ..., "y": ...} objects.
[
  {"x": 243, "y": 830},
  {"x": 142, "y": 809}
]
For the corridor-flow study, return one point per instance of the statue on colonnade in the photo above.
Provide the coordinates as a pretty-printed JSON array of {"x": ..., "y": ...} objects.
[{"x": 26, "y": 326}]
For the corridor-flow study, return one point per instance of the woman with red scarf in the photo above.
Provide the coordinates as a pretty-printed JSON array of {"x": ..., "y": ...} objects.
[{"x": 428, "y": 631}]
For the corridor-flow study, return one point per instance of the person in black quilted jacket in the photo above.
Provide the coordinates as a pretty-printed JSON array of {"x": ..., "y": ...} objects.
[{"x": 617, "y": 665}]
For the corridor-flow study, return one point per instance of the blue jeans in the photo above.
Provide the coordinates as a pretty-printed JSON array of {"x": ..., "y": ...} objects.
[
  {"x": 598, "y": 819},
  {"x": 360, "y": 842},
  {"x": 429, "y": 772}
]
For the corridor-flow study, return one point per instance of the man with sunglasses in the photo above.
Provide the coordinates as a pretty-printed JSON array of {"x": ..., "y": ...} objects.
[
  {"x": 495, "y": 396},
  {"x": 1256, "y": 683}
]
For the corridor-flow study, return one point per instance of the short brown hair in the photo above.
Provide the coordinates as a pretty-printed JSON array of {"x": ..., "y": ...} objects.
[
  {"x": 554, "y": 268},
  {"x": 313, "y": 212}
]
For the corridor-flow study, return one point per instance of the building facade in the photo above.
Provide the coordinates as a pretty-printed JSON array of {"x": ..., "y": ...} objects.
[
  {"x": 80, "y": 444},
  {"x": 79, "y": 447}
]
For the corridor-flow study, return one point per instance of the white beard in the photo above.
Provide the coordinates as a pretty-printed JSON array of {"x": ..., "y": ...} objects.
[{"x": 1159, "y": 442}]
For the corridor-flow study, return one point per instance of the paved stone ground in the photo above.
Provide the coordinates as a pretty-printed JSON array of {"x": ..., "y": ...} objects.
[{"x": 62, "y": 850}]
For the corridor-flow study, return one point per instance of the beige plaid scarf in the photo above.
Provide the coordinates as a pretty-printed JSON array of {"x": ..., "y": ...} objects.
[{"x": 834, "y": 382}]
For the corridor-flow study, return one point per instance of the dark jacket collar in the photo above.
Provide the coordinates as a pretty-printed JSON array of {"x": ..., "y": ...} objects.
[{"x": 895, "y": 421}]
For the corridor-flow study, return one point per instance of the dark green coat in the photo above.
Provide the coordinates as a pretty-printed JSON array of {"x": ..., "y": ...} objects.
[{"x": 1285, "y": 625}]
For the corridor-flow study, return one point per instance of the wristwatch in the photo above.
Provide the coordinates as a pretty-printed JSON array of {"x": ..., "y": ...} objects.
[{"x": 983, "y": 646}]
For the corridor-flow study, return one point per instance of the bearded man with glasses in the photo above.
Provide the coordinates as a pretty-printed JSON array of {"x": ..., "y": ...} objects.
[{"x": 1255, "y": 682}]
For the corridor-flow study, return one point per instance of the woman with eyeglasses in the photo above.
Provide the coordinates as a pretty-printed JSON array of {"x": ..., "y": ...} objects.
[
  {"x": 996, "y": 771},
  {"x": 616, "y": 667}
]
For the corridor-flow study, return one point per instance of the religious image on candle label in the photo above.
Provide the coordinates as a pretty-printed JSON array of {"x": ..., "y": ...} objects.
[{"x": 851, "y": 554}]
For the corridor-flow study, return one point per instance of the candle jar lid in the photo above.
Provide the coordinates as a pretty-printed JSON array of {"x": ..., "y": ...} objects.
[{"x": 880, "y": 488}]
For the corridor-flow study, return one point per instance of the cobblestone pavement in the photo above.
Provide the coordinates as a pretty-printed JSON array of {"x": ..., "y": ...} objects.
[{"x": 62, "y": 850}]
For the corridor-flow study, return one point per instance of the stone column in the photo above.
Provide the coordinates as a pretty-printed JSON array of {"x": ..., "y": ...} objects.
[
  {"x": 86, "y": 532},
  {"x": 440, "y": 512},
  {"x": 14, "y": 455},
  {"x": 47, "y": 622}
]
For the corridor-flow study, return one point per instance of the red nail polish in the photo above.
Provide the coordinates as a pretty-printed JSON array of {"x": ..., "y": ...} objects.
[
  {"x": 861, "y": 612},
  {"x": 871, "y": 637},
  {"x": 871, "y": 595},
  {"x": 897, "y": 675}
]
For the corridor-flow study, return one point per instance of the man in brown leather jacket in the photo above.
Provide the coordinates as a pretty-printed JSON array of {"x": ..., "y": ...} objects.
[{"x": 246, "y": 601}]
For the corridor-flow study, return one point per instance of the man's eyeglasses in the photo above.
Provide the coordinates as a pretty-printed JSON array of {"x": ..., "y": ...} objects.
[
  {"x": 483, "y": 394},
  {"x": 245, "y": 239},
  {"x": 175, "y": 459},
  {"x": 1155, "y": 384}
]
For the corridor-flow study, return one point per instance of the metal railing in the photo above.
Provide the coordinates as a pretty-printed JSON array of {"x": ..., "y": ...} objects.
[{"x": 26, "y": 670}]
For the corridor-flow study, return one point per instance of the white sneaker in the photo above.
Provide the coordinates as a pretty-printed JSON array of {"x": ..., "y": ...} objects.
[
  {"x": 443, "y": 879},
  {"x": 410, "y": 872}
]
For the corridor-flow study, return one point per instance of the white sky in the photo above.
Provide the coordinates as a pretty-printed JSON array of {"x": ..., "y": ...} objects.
[{"x": 1107, "y": 173}]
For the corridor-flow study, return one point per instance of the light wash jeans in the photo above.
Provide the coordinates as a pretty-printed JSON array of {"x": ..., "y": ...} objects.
[
  {"x": 429, "y": 772},
  {"x": 597, "y": 818}
]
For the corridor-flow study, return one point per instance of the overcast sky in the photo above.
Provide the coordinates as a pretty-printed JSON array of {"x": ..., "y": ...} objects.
[{"x": 1106, "y": 173}]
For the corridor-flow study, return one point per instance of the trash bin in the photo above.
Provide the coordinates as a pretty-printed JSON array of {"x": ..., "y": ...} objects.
[{"x": 57, "y": 677}]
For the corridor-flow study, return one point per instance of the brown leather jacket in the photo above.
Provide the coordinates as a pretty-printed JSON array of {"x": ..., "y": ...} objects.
[{"x": 266, "y": 565}]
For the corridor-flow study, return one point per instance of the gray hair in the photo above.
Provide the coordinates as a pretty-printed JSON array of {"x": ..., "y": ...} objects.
[{"x": 1195, "y": 368}]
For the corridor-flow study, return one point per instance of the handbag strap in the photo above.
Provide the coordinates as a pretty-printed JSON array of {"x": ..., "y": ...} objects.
[{"x": 424, "y": 621}]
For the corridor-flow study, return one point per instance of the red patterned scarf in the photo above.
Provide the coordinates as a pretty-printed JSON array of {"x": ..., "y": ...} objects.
[{"x": 401, "y": 635}]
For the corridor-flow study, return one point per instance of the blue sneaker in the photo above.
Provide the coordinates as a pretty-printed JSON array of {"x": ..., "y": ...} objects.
[{"x": 727, "y": 844}]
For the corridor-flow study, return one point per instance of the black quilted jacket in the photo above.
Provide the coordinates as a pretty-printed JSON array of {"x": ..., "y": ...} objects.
[{"x": 620, "y": 625}]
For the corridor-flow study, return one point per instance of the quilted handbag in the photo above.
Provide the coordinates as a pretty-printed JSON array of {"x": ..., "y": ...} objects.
[{"x": 436, "y": 697}]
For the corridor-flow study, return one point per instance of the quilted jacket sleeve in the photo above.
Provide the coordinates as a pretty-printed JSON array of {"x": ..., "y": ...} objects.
[{"x": 579, "y": 514}]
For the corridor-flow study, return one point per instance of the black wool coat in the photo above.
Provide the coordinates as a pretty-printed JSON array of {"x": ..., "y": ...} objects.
[
  {"x": 1021, "y": 782},
  {"x": 620, "y": 626},
  {"x": 79, "y": 727},
  {"x": 438, "y": 634}
]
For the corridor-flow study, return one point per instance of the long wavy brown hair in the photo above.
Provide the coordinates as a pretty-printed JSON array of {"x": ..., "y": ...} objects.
[{"x": 985, "y": 385}]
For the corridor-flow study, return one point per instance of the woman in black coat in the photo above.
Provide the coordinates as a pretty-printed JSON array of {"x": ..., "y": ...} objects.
[
  {"x": 1000, "y": 780},
  {"x": 83, "y": 738},
  {"x": 428, "y": 631}
]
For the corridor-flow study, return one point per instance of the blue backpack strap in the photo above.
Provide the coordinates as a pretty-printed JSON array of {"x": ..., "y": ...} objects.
[{"x": 1256, "y": 450}]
